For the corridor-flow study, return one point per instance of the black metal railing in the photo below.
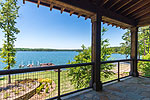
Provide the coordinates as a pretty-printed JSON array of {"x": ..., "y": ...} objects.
[
  {"x": 31, "y": 81},
  {"x": 53, "y": 79},
  {"x": 120, "y": 64}
]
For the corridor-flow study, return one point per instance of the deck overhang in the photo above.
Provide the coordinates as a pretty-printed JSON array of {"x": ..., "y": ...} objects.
[{"x": 123, "y": 14}]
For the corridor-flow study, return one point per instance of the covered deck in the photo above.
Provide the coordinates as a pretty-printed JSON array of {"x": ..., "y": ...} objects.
[
  {"x": 126, "y": 14},
  {"x": 131, "y": 88}
]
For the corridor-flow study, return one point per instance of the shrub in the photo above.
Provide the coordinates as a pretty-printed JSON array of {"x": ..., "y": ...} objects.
[
  {"x": 144, "y": 67},
  {"x": 17, "y": 92},
  {"x": 47, "y": 88},
  {"x": 6, "y": 95},
  {"x": 39, "y": 89}
]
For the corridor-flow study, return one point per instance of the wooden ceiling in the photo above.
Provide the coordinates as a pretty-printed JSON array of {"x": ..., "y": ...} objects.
[{"x": 119, "y": 13}]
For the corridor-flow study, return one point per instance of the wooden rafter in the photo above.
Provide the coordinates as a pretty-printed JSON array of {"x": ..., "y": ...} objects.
[
  {"x": 145, "y": 17},
  {"x": 51, "y": 6},
  {"x": 113, "y": 3},
  {"x": 116, "y": 16},
  {"x": 123, "y": 13},
  {"x": 143, "y": 11},
  {"x": 79, "y": 15},
  {"x": 86, "y": 17},
  {"x": 62, "y": 10},
  {"x": 71, "y": 12},
  {"x": 23, "y": 1},
  {"x": 105, "y": 1},
  {"x": 130, "y": 5},
  {"x": 136, "y": 7},
  {"x": 121, "y": 4},
  {"x": 144, "y": 23},
  {"x": 38, "y": 4}
]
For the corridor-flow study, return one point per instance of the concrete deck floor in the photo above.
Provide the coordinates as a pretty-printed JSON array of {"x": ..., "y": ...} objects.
[{"x": 129, "y": 89}]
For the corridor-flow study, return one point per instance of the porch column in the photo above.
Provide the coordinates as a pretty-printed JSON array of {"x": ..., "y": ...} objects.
[
  {"x": 96, "y": 52},
  {"x": 134, "y": 43}
]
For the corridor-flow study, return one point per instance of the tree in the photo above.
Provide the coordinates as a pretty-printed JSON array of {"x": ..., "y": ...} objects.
[
  {"x": 144, "y": 67},
  {"x": 126, "y": 46},
  {"x": 8, "y": 16},
  {"x": 81, "y": 76},
  {"x": 144, "y": 41}
]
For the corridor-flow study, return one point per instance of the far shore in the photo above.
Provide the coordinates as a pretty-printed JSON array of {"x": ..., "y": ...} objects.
[{"x": 45, "y": 49}]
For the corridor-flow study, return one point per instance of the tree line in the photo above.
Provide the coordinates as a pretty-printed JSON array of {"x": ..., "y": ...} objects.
[{"x": 44, "y": 49}]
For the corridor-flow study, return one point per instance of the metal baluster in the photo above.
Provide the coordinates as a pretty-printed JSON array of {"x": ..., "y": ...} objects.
[
  {"x": 59, "y": 84},
  {"x": 118, "y": 71}
]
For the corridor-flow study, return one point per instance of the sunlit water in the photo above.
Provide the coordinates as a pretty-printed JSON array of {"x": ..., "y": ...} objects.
[{"x": 55, "y": 57}]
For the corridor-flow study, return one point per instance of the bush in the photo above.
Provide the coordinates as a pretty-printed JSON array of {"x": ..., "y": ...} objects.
[
  {"x": 47, "y": 88},
  {"x": 144, "y": 67},
  {"x": 6, "y": 95},
  {"x": 46, "y": 80}
]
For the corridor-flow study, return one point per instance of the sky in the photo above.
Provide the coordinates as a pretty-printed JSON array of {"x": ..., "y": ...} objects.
[{"x": 42, "y": 28}]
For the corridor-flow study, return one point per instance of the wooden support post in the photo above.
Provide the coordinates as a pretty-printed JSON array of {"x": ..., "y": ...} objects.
[
  {"x": 96, "y": 52},
  {"x": 134, "y": 43}
]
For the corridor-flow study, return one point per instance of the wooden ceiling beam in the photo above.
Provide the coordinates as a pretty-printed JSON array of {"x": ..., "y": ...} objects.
[
  {"x": 147, "y": 16},
  {"x": 145, "y": 20},
  {"x": 144, "y": 23},
  {"x": 136, "y": 7},
  {"x": 38, "y": 4},
  {"x": 130, "y": 5},
  {"x": 62, "y": 10},
  {"x": 83, "y": 4},
  {"x": 87, "y": 9},
  {"x": 79, "y": 15},
  {"x": 121, "y": 4},
  {"x": 86, "y": 5},
  {"x": 86, "y": 17},
  {"x": 113, "y": 3},
  {"x": 141, "y": 12},
  {"x": 71, "y": 12},
  {"x": 51, "y": 6},
  {"x": 105, "y": 1},
  {"x": 24, "y": 1},
  {"x": 115, "y": 16}
]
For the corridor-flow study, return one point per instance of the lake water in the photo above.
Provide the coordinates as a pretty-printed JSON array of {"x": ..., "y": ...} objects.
[{"x": 55, "y": 57}]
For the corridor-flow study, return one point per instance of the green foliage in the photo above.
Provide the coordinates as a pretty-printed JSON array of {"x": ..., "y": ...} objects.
[
  {"x": 44, "y": 82},
  {"x": 144, "y": 67},
  {"x": 115, "y": 49},
  {"x": 8, "y": 16},
  {"x": 144, "y": 40},
  {"x": 39, "y": 89},
  {"x": 47, "y": 88},
  {"x": 126, "y": 46},
  {"x": 81, "y": 76},
  {"x": 6, "y": 95}
]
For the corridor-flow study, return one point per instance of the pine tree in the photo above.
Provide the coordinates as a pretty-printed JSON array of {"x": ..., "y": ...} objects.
[{"x": 8, "y": 16}]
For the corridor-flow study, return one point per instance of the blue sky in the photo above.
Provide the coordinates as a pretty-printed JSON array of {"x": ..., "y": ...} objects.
[{"x": 42, "y": 28}]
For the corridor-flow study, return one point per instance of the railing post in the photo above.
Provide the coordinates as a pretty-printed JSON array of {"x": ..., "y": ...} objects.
[
  {"x": 96, "y": 52},
  {"x": 59, "y": 84},
  {"x": 118, "y": 71},
  {"x": 134, "y": 43}
]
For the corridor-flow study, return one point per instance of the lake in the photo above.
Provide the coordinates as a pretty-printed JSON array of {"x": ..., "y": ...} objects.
[{"x": 55, "y": 57}]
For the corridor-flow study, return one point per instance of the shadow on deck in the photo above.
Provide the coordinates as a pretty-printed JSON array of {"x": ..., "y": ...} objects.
[{"x": 129, "y": 89}]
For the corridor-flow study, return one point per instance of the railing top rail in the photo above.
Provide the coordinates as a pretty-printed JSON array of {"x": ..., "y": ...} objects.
[
  {"x": 34, "y": 69},
  {"x": 113, "y": 61},
  {"x": 142, "y": 60}
]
